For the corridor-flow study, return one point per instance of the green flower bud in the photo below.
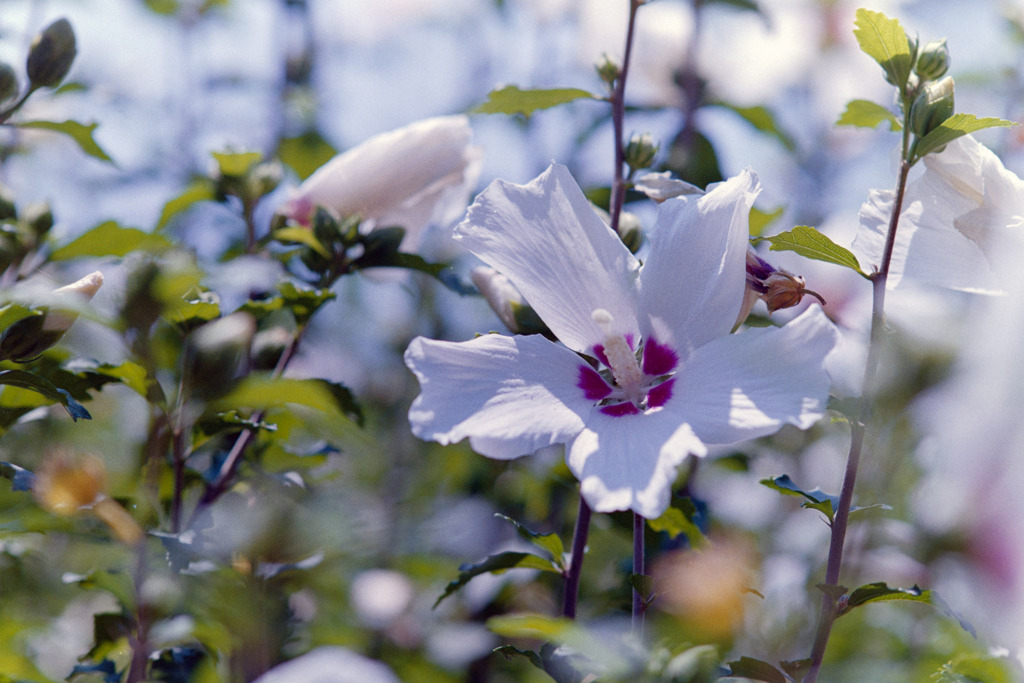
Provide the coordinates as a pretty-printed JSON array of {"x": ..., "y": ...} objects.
[
  {"x": 608, "y": 70},
  {"x": 932, "y": 106},
  {"x": 215, "y": 353},
  {"x": 51, "y": 55},
  {"x": 265, "y": 177},
  {"x": 38, "y": 217},
  {"x": 268, "y": 345},
  {"x": 640, "y": 151},
  {"x": 933, "y": 62},
  {"x": 8, "y": 82},
  {"x": 8, "y": 210},
  {"x": 26, "y": 339}
]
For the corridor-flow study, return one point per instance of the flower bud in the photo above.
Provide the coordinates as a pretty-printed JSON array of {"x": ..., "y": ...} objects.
[
  {"x": 265, "y": 177},
  {"x": 8, "y": 82},
  {"x": 933, "y": 62},
  {"x": 507, "y": 302},
  {"x": 215, "y": 353},
  {"x": 39, "y": 217},
  {"x": 932, "y": 106},
  {"x": 8, "y": 210},
  {"x": 268, "y": 345},
  {"x": 51, "y": 55},
  {"x": 640, "y": 151},
  {"x": 608, "y": 70},
  {"x": 27, "y": 338},
  {"x": 778, "y": 288}
]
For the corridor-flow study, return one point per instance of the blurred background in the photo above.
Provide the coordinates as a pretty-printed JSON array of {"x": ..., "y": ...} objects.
[{"x": 720, "y": 85}]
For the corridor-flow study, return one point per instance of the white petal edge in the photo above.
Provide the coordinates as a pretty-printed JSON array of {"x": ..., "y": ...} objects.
[
  {"x": 330, "y": 664},
  {"x": 546, "y": 238},
  {"x": 510, "y": 396},
  {"x": 630, "y": 462},
  {"x": 692, "y": 284},
  {"x": 751, "y": 384}
]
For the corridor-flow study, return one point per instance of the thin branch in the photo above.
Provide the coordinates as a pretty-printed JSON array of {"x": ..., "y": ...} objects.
[{"x": 579, "y": 548}]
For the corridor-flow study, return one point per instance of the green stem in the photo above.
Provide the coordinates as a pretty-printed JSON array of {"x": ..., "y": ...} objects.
[{"x": 639, "y": 570}]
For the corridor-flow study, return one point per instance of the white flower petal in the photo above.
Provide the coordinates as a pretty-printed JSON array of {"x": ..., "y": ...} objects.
[
  {"x": 692, "y": 283},
  {"x": 746, "y": 385},
  {"x": 629, "y": 462},
  {"x": 408, "y": 177},
  {"x": 945, "y": 234},
  {"x": 330, "y": 664},
  {"x": 510, "y": 395},
  {"x": 547, "y": 239}
]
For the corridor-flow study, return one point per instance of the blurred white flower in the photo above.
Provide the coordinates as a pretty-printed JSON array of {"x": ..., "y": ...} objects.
[
  {"x": 971, "y": 455},
  {"x": 379, "y": 596},
  {"x": 951, "y": 216},
  {"x": 330, "y": 664},
  {"x": 414, "y": 176}
]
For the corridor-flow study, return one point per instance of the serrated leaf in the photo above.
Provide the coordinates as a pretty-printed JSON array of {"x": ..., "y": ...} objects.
[
  {"x": 885, "y": 40},
  {"x": 954, "y": 127},
  {"x": 763, "y": 120},
  {"x": 756, "y": 670},
  {"x": 811, "y": 244},
  {"x": 496, "y": 564},
  {"x": 867, "y": 114},
  {"x": 512, "y": 100},
  {"x": 21, "y": 479},
  {"x": 299, "y": 235},
  {"x": 537, "y": 626},
  {"x": 110, "y": 239},
  {"x": 79, "y": 132},
  {"x": 36, "y": 384},
  {"x": 548, "y": 542},
  {"x": 974, "y": 669},
  {"x": 201, "y": 190},
  {"x": 882, "y": 592}
]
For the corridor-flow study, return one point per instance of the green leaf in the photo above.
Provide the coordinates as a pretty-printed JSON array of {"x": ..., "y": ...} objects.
[
  {"x": 12, "y": 313},
  {"x": 952, "y": 128},
  {"x": 762, "y": 119},
  {"x": 510, "y": 651},
  {"x": 80, "y": 133},
  {"x": 201, "y": 190},
  {"x": 496, "y": 564},
  {"x": 970, "y": 668},
  {"x": 35, "y": 383},
  {"x": 305, "y": 153},
  {"x": 21, "y": 479},
  {"x": 796, "y": 668},
  {"x": 299, "y": 235},
  {"x": 512, "y": 100},
  {"x": 882, "y": 592},
  {"x": 679, "y": 520},
  {"x": 759, "y": 220},
  {"x": 756, "y": 670},
  {"x": 815, "y": 500},
  {"x": 811, "y": 244},
  {"x": 110, "y": 239},
  {"x": 133, "y": 376},
  {"x": 536, "y": 626},
  {"x": 642, "y": 584},
  {"x": 548, "y": 542},
  {"x": 867, "y": 114},
  {"x": 235, "y": 164},
  {"x": 884, "y": 40}
]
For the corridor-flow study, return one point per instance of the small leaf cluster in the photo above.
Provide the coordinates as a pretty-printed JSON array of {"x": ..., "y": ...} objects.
[{"x": 925, "y": 95}]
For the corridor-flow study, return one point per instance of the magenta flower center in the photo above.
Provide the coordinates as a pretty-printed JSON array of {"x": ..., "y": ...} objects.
[{"x": 624, "y": 380}]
